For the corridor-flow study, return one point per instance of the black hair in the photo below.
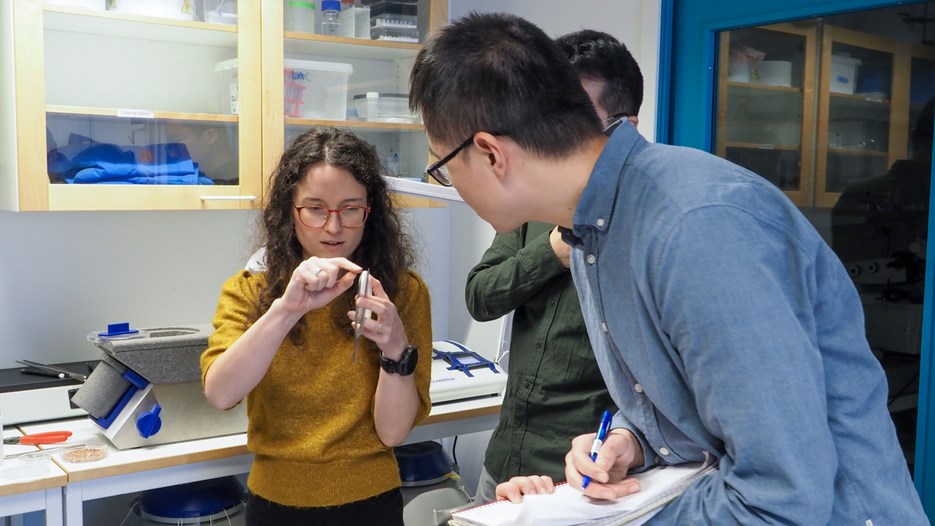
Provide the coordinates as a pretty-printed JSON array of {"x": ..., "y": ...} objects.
[
  {"x": 501, "y": 74},
  {"x": 385, "y": 248},
  {"x": 599, "y": 56}
]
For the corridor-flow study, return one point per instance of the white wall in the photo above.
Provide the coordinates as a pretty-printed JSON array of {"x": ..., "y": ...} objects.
[{"x": 633, "y": 22}]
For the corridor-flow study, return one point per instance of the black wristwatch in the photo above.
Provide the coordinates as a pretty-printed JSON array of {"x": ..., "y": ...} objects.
[{"x": 406, "y": 364}]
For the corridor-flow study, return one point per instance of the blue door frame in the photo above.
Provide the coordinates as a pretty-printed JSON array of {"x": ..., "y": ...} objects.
[{"x": 686, "y": 115}]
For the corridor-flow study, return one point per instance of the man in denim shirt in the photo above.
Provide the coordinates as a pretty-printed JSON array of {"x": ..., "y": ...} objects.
[
  {"x": 721, "y": 321},
  {"x": 552, "y": 367}
]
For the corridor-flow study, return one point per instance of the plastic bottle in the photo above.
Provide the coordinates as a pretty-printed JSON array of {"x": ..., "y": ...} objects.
[
  {"x": 331, "y": 17},
  {"x": 299, "y": 15}
]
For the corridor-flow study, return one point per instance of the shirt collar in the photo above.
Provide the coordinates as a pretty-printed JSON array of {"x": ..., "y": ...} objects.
[{"x": 600, "y": 193}]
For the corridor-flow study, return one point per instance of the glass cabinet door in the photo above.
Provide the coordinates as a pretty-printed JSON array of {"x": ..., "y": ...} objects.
[
  {"x": 856, "y": 109},
  {"x": 355, "y": 77},
  {"x": 843, "y": 124},
  {"x": 766, "y": 83},
  {"x": 140, "y": 107}
]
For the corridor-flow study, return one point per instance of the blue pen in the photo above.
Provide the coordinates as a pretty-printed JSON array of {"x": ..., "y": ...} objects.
[{"x": 598, "y": 441}]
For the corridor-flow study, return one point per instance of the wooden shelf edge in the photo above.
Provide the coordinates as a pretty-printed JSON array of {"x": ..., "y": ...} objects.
[
  {"x": 129, "y": 113},
  {"x": 360, "y": 125}
]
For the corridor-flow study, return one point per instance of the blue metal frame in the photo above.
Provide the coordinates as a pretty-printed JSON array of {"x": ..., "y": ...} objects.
[{"x": 686, "y": 117}]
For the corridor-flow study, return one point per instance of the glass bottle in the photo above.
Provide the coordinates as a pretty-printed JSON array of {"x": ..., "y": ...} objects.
[{"x": 330, "y": 17}]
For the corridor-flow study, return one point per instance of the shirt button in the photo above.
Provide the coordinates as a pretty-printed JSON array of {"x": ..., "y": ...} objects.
[
  {"x": 638, "y": 388},
  {"x": 664, "y": 451},
  {"x": 592, "y": 258},
  {"x": 600, "y": 221},
  {"x": 603, "y": 326}
]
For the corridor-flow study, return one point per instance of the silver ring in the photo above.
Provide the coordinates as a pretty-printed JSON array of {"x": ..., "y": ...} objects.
[
  {"x": 317, "y": 271},
  {"x": 380, "y": 328}
]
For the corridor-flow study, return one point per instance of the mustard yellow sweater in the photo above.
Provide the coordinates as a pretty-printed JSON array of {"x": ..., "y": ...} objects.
[{"x": 311, "y": 423}]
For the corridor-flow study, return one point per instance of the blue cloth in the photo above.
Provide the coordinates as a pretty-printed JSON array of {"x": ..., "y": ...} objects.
[
  {"x": 722, "y": 322},
  {"x": 112, "y": 164}
]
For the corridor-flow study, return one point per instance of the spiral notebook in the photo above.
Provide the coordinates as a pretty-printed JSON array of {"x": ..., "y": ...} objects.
[{"x": 569, "y": 507}]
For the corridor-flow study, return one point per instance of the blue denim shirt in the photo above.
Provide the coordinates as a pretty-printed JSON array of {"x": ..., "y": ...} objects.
[{"x": 722, "y": 322}]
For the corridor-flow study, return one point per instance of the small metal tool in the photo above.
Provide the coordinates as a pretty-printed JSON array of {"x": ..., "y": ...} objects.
[
  {"x": 58, "y": 371},
  {"x": 363, "y": 289}
]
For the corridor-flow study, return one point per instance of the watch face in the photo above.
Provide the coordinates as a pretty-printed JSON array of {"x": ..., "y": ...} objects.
[{"x": 406, "y": 364}]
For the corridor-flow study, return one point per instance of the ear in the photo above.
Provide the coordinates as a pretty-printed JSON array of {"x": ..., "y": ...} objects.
[
  {"x": 494, "y": 151},
  {"x": 209, "y": 136}
]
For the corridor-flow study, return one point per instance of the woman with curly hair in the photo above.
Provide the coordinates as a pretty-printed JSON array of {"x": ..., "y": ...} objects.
[{"x": 322, "y": 423}]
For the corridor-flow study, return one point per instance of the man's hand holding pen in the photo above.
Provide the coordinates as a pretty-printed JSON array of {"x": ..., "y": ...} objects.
[{"x": 619, "y": 453}]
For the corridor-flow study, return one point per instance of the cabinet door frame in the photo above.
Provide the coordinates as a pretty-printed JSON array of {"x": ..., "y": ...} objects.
[
  {"x": 686, "y": 117},
  {"x": 897, "y": 137},
  {"x": 801, "y": 196}
]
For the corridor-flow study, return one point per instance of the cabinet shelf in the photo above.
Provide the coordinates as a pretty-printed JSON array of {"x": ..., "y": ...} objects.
[
  {"x": 856, "y": 152},
  {"x": 127, "y": 112},
  {"x": 767, "y": 87},
  {"x": 139, "y": 27},
  {"x": 392, "y": 127},
  {"x": 758, "y": 146},
  {"x": 858, "y": 99},
  {"x": 346, "y": 47}
]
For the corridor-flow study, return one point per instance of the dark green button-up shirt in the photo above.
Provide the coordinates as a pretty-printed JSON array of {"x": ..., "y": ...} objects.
[{"x": 555, "y": 391}]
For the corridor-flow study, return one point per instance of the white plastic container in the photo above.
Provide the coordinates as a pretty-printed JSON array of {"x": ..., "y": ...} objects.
[
  {"x": 774, "y": 73},
  {"x": 299, "y": 15},
  {"x": 176, "y": 9},
  {"x": 227, "y": 78},
  {"x": 316, "y": 90},
  {"x": 312, "y": 90},
  {"x": 843, "y": 74},
  {"x": 97, "y": 5},
  {"x": 216, "y": 11}
]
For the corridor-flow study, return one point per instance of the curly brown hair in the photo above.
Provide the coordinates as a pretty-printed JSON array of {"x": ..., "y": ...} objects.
[{"x": 384, "y": 249}]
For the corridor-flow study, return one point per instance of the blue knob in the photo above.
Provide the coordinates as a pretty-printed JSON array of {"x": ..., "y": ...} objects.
[{"x": 148, "y": 423}]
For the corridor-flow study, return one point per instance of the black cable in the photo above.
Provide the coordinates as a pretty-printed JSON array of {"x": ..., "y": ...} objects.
[{"x": 454, "y": 453}]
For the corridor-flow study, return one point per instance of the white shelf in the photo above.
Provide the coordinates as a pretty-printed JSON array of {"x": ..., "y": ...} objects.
[
  {"x": 419, "y": 189},
  {"x": 135, "y": 27},
  {"x": 344, "y": 47}
]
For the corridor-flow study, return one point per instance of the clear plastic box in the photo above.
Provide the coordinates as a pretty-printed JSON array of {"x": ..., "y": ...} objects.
[
  {"x": 395, "y": 34},
  {"x": 316, "y": 90},
  {"x": 383, "y": 107},
  {"x": 394, "y": 14},
  {"x": 312, "y": 89}
]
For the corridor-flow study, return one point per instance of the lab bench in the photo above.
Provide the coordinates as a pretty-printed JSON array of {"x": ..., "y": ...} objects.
[{"x": 64, "y": 488}]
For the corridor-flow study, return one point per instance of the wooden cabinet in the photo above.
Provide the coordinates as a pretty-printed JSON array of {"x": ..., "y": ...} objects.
[
  {"x": 841, "y": 113},
  {"x": 108, "y": 86}
]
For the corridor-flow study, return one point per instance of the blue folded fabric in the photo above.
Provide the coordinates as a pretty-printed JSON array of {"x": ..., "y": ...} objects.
[{"x": 113, "y": 164}]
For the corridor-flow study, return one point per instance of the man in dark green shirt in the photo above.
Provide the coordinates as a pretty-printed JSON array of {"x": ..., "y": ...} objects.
[{"x": 554, "y": 390}]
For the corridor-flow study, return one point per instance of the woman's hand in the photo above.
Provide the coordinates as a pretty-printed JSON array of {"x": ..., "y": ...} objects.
[
  {"x": 317, "y": 281},
  {"x": 384, "y": 327},
  {"x": 516, "y": 487}
]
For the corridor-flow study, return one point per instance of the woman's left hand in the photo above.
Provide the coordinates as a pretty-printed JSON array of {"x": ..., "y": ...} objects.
[{"x": 383, "y": 327}]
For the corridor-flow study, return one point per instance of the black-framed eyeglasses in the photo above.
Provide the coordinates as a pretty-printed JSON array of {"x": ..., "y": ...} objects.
[
  {"x": 439, "y": 171},
  {"x": 611, "y": 123},
  {"x": 352, "y": 216},
  {"x": 614, "y": 118}
]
